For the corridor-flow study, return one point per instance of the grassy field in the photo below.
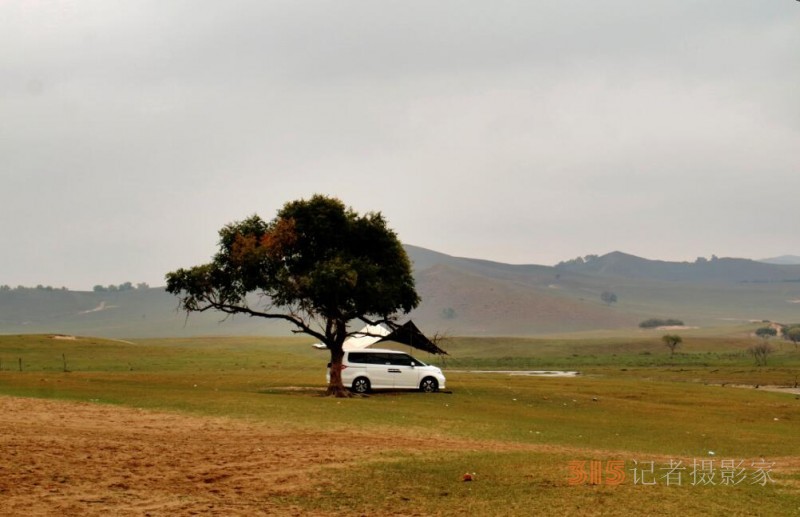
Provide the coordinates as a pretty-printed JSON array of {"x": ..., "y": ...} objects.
[{"x": 632, "y": 403}]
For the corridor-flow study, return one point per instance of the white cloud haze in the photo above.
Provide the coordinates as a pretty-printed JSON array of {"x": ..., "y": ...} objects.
[{"x": 518, "y": 131}]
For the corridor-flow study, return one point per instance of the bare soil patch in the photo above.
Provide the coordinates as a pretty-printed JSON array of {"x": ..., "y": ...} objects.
[
  {"x": 777, "y": 389},
  {"x": 71, "y": 458}
]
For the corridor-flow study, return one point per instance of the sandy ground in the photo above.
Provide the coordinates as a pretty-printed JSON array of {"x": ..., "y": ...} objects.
[
  {"x": 65, "y": 458},
  {"x": 776, "y": 389},
  {"x": 529, "y": 373}
]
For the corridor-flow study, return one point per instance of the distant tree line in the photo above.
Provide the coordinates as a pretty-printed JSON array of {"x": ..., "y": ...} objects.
[
  {"x": 656, "y": 322},
  {"x": 703, "y": 260},
  {"x": 578, "y": 261},
  {"x": 789, "y": 332},
  {"x": 126, "y": 286},
  {"x": 40, "y": 287}
]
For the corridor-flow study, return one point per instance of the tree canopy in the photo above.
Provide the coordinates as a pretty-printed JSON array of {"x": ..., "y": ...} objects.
[
  {"x": 658, "y": 322},
  {"x": 766, "y": 332},
  {"x": 608, "y": 297},
  {"x": 792, "y": 333},
  {"x": 672, "y": 341},
  {"x": 317, "y": 264}
]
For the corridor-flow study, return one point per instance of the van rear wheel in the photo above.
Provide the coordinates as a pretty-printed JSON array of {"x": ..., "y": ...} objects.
[
  {"x": 361, "y": 385},
  {"x": 429, "y": 385}
]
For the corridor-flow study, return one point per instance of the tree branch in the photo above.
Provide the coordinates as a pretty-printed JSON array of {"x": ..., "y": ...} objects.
[{"x": 210, "y": 302}]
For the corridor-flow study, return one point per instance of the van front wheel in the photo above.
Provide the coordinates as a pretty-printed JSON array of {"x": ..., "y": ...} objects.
[
  {"x": 429, "y": 385},
  {"x": 361, "y": 385}
]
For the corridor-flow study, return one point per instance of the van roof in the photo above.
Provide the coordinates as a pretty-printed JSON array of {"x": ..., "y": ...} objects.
[{"x": 377, "y": 350}]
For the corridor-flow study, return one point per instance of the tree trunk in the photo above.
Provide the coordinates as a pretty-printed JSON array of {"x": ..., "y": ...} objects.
[{"x": 336, "y": 388}]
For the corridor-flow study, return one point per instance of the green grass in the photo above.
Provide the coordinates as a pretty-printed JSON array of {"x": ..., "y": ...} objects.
[
  {"x": 631, "y": 402},
  {"x": 525, "y": 484},
  {"x": 701, "y": 349}
]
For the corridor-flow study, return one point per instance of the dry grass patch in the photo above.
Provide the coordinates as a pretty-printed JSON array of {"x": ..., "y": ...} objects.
[{"x": 91, "y": 459}]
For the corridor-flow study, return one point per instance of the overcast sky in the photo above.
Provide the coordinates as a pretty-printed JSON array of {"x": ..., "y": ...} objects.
[{"x": 519, "y": 131}]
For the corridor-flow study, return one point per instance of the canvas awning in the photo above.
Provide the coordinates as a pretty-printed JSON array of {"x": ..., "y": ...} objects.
[
  {"x": 409, "y": 334},
  {"x": 365, "y": 337},
  {"x": 406, "y": 334}
]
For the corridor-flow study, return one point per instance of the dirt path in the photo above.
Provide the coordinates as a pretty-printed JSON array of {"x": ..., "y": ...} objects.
[{"x": 64, "y": 458}]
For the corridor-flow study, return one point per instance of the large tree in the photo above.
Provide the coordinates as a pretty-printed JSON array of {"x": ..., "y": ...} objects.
[{"x": 318, "y": 265}]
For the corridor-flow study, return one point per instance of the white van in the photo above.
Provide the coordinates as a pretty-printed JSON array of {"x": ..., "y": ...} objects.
[{"x": 375, "y": 368}]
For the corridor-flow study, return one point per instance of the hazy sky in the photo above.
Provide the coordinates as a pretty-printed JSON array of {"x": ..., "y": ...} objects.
[{"x": 519, "y": 131}]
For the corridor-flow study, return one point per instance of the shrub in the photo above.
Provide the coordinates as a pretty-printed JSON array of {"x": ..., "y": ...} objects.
[
  {"x": 760, "y": 353},
  {"x": 656, "y": 322},
  {"x": 766, "y": 332}
]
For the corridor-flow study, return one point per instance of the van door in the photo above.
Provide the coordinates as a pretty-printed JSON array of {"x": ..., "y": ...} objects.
[
  {"x": 404, "y": 374},
  {"x": 381, "y": 371}
]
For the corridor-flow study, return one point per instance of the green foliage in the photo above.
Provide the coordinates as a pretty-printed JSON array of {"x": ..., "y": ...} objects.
[
  {"x": 608, "y": 297},
  {"x": 39, "y": 287},
  {"x": 125, "y": 286},
  {"x": 792, "y": 333},
  {"x": 672, "y": 341},
  {"x": 766, "y": 332},
  {"x": 317, "y": 264},
  {"x": 656, "y": 322},
  {"x": 578, "y": 261}
]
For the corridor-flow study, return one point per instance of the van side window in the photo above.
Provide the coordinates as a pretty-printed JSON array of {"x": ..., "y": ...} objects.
[
  {"x": 368, "y": 358},
  {"x": 402, "y": 359},
  {"x": 383, "y": 359},
  {"x": 356, "y": 357}
]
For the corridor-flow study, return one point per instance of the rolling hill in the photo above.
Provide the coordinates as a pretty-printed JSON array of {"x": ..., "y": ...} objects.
[
  {"x": 783, "y": 259},
  {"x": 496, "y": 298},
  {"x": 463, "y": 296},
  {"x": 148, "y": 312},
  {"x": 716, "y": 270}
]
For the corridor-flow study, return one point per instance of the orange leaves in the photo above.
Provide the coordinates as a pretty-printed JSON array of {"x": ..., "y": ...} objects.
[
  {"x": 280, "y": 239},
  {"x": 245, "y": 249},
  {"x": 275, "y": 243}
]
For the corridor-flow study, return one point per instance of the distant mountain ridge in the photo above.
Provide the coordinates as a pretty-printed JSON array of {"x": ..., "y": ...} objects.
[
  {"x": 463, "y": 296},
  {"x": 477, "y": 296},
  {"x": 783, "y": 259},
  {"x": 623, "y": 265}
]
